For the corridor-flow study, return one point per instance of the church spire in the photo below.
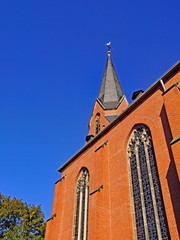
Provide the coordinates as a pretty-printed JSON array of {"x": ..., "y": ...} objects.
[
  {"x": 110, "y": 92},
  {"x": 110, "y": 102}
]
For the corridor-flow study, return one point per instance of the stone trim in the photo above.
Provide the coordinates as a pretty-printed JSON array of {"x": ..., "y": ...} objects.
[
  {"x": 174, "y": 85},
  {"x": 104, "y": 144},
  {"x": 96, "y": 190},
  {"x": 60, "y": 180},
  {"x": 176, "y": 139},
  {"x": 51, "y": 218}
]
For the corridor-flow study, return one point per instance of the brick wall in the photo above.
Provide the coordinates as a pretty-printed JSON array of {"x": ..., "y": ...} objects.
[{"x": 110, "y": 210}]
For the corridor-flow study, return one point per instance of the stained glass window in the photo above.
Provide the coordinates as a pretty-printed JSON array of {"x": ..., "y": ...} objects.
[
  {"x": 148, "y": 207},
  {"x": 81, "y": 206}
]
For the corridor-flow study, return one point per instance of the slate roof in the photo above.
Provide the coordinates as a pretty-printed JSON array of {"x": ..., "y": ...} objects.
[
  {"x": 111, "y": 118},
  {"x": 110, "y": 91}
]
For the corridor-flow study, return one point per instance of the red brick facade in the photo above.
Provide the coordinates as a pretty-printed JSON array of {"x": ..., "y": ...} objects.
[{"x": 105, "y": 156}]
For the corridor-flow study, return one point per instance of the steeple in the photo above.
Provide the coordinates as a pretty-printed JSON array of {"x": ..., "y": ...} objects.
[
  {"x": 110, "y": 102},
  {"x": 110, "y": 92}
]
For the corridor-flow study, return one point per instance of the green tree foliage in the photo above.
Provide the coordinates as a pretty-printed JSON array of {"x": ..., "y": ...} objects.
[{"x": 20, "y": 221}]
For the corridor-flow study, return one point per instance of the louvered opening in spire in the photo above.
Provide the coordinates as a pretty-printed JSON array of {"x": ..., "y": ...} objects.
[{"x": 110, "y": 92}]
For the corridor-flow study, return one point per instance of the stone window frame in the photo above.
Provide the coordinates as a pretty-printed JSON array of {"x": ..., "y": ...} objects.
[
  {"x": 141, "y": 136},
  {"x": 80, "y": 227}
]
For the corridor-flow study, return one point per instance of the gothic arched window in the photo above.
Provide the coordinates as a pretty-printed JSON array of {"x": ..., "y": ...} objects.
[
  {"x": 148, "y": 207},
  {"x": 81, "y": 206},
  {"x": 97, "y": 123}
]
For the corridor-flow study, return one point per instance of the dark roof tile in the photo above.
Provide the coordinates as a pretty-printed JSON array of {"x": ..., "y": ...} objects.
[{"x": 110, "y": 91}]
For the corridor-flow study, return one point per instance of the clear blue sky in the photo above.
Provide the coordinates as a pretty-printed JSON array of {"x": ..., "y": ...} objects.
[{"x": 52, "y": 58}]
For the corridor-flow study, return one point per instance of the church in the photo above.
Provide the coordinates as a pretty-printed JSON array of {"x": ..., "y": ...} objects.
[{"x": 124, "y": 182}]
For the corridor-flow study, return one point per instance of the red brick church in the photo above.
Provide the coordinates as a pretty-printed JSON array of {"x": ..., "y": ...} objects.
[{"x": 124, "y": 183}]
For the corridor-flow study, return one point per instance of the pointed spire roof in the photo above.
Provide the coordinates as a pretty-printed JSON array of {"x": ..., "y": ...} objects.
[{"x": 110, "y": 92}]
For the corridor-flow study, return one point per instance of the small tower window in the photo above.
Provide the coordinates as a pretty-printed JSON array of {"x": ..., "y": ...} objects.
[{"x": 97, "y": 123}]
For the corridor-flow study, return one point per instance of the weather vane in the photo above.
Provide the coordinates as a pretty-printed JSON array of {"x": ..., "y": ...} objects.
[{"x": 109, "y": 47}]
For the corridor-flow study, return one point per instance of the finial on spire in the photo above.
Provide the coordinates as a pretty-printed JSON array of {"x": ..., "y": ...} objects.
[{"x": 109, "y": 48}]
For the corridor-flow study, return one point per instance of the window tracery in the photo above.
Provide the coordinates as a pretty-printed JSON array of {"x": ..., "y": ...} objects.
[
  {"x": 81, "y": 207},
  {"x": 148, "y": 207}
]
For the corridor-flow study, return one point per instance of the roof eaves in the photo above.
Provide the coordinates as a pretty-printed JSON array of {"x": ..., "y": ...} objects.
[{"x": 173, "y": 70}]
